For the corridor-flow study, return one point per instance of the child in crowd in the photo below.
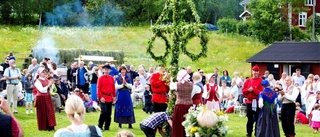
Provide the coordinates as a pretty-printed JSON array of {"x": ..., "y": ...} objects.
[
  {"x": 90, "y": 105},
  {"x": 147, "y": 98},
  {"x": 230, "y": 103},
  {"x": 78, "y": 92},
  {"x": 28, "y": 86},
  {"x": 300, "y": 117},
  {"x": 315, "y": 121}
]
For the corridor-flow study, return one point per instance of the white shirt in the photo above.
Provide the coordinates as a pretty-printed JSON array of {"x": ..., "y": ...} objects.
[
  {"x": 196, "y": 89},
  {"x": 292, "y": 97},
  {"x": 223, "y": 91},
  {"x": 39, "y": 86},
  {"x": 316, "y": 115},
  {"x": 121, "y": 86},
  {"x": 139, "y": 88},
  {"x": 299, "y": 80},
  {"x": 206, "y": 92}
]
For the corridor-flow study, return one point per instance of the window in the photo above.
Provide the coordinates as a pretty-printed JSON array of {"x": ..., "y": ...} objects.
[
  {"x": 302, "y": 19},
  {"x": 309, "y": 2}
]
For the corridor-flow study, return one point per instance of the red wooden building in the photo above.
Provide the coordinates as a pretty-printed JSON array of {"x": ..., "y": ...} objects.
[
  {"x": 287, "y": 56},
  {"x": 299, "y": 19}
]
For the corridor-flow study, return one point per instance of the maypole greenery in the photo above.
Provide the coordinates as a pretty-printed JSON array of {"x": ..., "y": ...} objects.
[{"x": 171, "y": 23}]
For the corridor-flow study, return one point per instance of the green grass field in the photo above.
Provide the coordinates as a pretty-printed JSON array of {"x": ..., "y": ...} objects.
[
  {"x": 225, "y": 51},
  {"x": 236, "y": 124}
]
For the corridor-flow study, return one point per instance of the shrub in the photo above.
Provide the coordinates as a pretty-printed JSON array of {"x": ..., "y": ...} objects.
[
  {"x": 227, "y": 25},
  {"x": 299, "y": 35},
  {"x": 243, "y": 28}
]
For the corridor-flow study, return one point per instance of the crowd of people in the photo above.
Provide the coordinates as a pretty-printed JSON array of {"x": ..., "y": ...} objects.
[{"x": 102, "y": 87}]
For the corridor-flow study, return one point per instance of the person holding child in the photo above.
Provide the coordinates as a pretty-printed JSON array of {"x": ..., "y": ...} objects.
[
  {"x": 28, "y": 86},
  {"x": 267, "y": 124}
]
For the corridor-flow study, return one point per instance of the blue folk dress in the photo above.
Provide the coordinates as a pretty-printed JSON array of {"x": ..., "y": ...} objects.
[
  {"x": 124, "y": 113},
  {"x": 267, "y": 125}
]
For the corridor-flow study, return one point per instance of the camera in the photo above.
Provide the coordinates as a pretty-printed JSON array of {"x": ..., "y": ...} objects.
[{"x": 277, "y": 89}]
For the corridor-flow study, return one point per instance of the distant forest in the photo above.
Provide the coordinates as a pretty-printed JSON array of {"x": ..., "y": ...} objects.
[{"x": 106, "y": 12}]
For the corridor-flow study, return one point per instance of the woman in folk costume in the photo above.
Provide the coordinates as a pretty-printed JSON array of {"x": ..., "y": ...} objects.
[
  {"x": 45, "y": 111},
  {"x": 211, "y": 92},
  {"x": 183, "y": 102},
  {"x": 197, "y": 90},
  {"x": 267, "y": 125},
  {"x": 124, "y": 113}
]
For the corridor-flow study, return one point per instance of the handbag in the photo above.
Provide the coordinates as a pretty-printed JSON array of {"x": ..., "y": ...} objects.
[{"x": 93, "y": 131}]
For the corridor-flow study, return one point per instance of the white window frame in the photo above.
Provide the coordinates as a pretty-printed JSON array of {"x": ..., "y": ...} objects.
[
  {"x": 302, "y": 19},
  {"x": 309, "y": 2}
]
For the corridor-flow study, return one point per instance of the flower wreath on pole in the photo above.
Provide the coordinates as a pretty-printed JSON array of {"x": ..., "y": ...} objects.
[
  {"x": 201, "y": 33},
  {"x": 162, "y": 58},
  {"x": 180, "y": 31}
]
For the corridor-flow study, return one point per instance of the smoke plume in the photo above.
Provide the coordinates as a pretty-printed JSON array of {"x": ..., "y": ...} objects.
[
  {"x": 74, "y": 14},
  {"x": 46, "y": 48}
]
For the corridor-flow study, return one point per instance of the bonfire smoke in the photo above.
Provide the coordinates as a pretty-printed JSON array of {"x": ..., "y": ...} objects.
[
  {"x": 46, "y": 48},
  {"x": 74, "y": 14}
]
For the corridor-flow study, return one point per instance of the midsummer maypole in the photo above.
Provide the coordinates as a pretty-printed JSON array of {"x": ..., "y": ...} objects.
[{"x": 172, "y": 25}]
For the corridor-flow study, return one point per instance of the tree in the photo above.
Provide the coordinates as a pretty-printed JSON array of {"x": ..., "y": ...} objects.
[
  {"x": 267, "y": 24},
  {"x": 180, "y": 31},
  {"x": 317, "y": 25},
  {"x": 291, "y": 7}
]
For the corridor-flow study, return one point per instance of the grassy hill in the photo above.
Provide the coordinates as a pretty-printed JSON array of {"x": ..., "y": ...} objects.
[{"x": 225, "y": 51}]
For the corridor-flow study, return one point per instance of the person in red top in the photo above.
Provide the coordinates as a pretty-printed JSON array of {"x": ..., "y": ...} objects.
[
  {"x": 251, "y": 89},
  {"x": 159, "y": 90},
  {"x": 106, "y": 95},
  {"x": 300, "y": 117}
]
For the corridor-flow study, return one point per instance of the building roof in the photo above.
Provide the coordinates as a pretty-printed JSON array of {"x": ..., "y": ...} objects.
[
  {"x": 244, "y": 2},
  {"x": 289, "y": 52},
  {"x": 244, "y": 13}
]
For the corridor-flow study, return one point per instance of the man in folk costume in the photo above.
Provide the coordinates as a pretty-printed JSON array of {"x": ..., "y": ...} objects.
[
  {"x": 106, "y": 95},
  {"x": 251, "y": 89},
  {"x": 288, "y": 97},
  {"x": 160, "y": 90}
]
